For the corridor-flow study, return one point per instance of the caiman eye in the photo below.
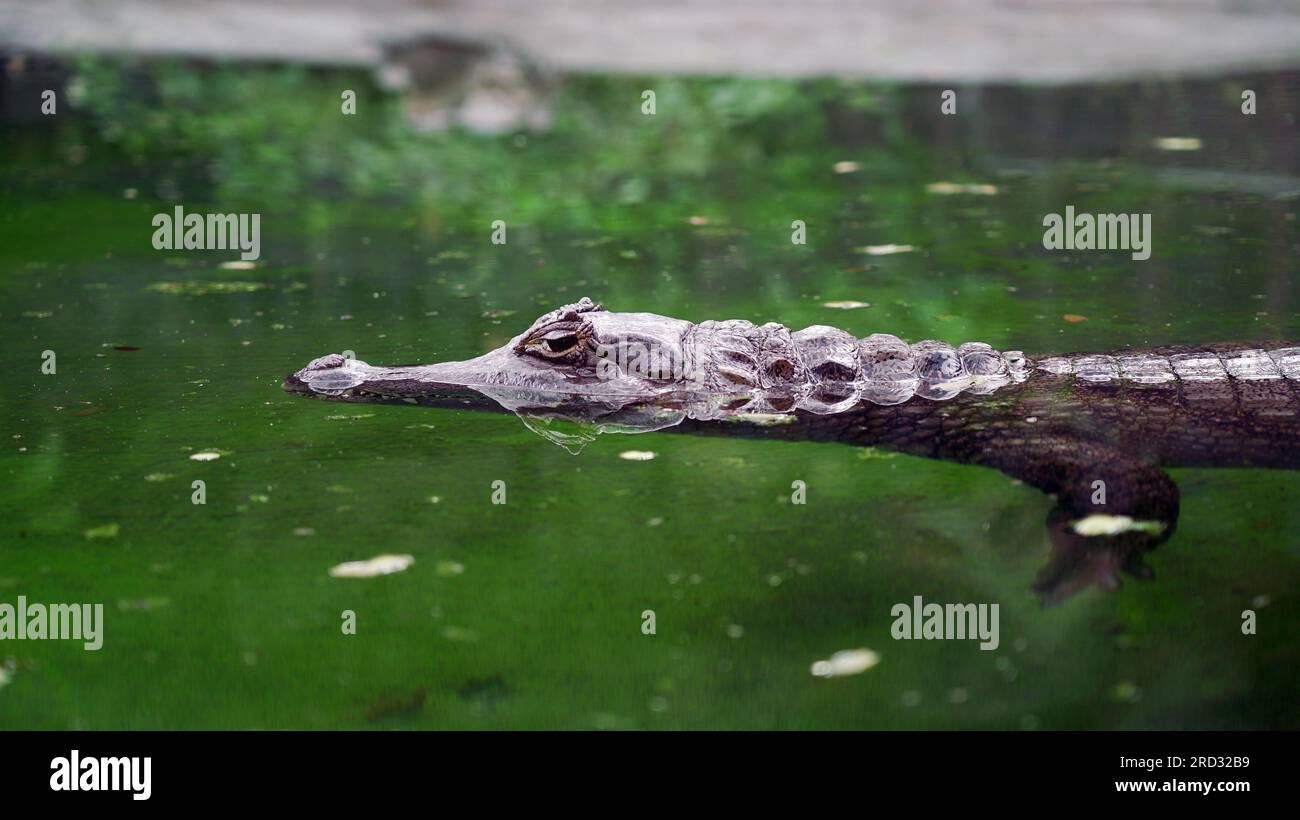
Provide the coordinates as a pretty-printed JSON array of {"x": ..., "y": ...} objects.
[{"x": 559, "y": 342}]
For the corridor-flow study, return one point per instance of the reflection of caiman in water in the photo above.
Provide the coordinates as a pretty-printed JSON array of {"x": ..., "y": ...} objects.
[{"x": 1092, "y": 430}]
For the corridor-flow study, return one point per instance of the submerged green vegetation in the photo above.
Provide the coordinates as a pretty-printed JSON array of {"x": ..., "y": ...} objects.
[{"x": 376, "y": 239}]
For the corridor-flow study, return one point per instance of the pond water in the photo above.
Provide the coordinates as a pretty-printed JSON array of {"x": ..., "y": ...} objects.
[{"x": 529, "y": 613}]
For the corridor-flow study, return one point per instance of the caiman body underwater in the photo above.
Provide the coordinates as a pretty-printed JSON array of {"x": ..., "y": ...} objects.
[{"x": 1093, "y": 430}]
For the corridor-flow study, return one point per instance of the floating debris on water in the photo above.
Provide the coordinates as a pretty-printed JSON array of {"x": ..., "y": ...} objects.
[
  {"x": 1213, "y": 230},
  {"x": 606, "y": 722},
  {"x": 304, "y": 531},
  {"x": 484, "y": 690},
  {"x": 158, "y": 476},
  {"x": 396, "y": 706},
  {"x": 147, "y": 604},
  {"x": 846, "y": 305},
  {"x": 379, "y": 565},
  {"x": 497, "y": 314},
  {"x": 206, "y": 455},
  {"x": 846, "y": 662},
  {"x": 846, "y": 166},
  {"x": 447, "y": 569},
  {"x": 947, "y": 188},
  {"x": 1074, "y": 318},
  {"x": 636, "y": 455},
  {"x": 102, "y": 531},
  {"x": 874, "y": 453},
  {"x": 1100, "y": 524},
  {"x": 238, "y": 264},
  {"x": 1127, "y": 691},
  {"x": 886, "y": 250},
  {"x": 457, "y": 633},
  {"x": 200, "y": 288},
  {"x": 592, "y": 243},
  {"x": 1178, "y": 143}
]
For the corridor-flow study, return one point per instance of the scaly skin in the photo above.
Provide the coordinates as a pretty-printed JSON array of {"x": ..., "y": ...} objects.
[
  {"x": 1056, "y": 431},
  {"x": 1081, "y": 433}
]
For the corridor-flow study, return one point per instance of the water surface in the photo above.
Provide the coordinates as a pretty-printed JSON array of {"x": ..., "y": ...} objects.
[{"x": 528, "y": 614}]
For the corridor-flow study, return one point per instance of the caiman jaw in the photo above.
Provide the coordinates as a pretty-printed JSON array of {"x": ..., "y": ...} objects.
[
  {"x": 501, "y": 370},
  {"x": 336, "y": 375}
]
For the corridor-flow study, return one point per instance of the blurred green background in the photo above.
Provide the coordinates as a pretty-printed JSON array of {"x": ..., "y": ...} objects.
[{"x": 375, "y": 238}]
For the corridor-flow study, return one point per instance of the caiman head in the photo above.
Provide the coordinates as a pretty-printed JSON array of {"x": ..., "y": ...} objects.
[
  {"x": 579, "y": 350},
  {"x": 609, "y": 372}
]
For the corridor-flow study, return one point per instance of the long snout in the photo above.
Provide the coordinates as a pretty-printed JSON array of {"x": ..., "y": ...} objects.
[{"x": 336, "y": 375}]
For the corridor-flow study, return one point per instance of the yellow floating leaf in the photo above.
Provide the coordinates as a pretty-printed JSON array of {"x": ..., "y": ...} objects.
[
  {"x": 949, "y": 188},
  {"x": 886, "y": 250},
  {"x": 1178, "y": 143},
  {"x": 379, "y": 565},
  {"x": 846, "y": 662},
  {"x": 102, "y": 531}
]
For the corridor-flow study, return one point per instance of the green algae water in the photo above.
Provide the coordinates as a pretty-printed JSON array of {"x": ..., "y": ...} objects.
[{"x": 528, "y": 614}]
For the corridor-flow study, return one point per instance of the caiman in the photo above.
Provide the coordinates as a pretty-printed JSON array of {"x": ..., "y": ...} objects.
[{"x": 1093, "y": 430}]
